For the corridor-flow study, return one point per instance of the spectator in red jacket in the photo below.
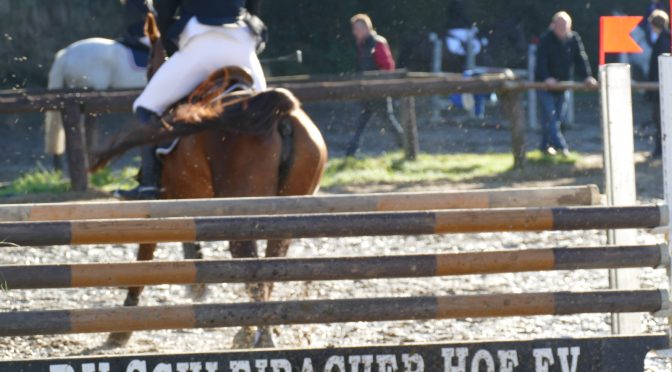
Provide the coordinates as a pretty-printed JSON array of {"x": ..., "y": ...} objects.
[
  {"x": 373, "y": 51},
  {"x": 373, "y": 54}
]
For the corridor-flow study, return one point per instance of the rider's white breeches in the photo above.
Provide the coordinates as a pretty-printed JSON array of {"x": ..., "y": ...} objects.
[{"x": 203, "y": 50}]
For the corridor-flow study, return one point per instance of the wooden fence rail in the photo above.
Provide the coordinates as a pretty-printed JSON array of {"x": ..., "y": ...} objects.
[{"x": 73, "y": 104}]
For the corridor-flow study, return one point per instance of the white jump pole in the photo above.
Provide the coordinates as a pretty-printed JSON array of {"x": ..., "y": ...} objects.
[
  {"x": 665, "y": 68},
  {"x": 619, "y": 166}
]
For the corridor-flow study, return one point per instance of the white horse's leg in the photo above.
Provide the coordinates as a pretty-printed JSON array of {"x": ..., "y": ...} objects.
[{"x": 54, "y": 135}]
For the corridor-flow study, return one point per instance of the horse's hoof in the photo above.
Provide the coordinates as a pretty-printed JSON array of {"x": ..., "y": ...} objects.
[
  {"x": 197, "y": 292},
  {"x": 244, "y": 339},
  {"x": 118, "y": 339},
  {"x": 263, "y": 339}
]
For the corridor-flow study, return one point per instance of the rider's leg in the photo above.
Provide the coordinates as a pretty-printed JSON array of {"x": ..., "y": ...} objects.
[
  {"x": 200, "y": 57},
  {"x": 150, "y": 171}
]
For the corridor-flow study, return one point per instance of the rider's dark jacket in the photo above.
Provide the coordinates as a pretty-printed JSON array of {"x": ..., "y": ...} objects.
[
  {"x": 661, "y": 46},
  {"x": 173, "y": 15},
  {"x": 135, "y": 12}
]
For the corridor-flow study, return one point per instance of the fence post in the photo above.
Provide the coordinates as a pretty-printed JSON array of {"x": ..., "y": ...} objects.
[
  {"x": 619, "y": 167},
  {"x": 665, "y": 68},
  {"x": 409, "y": 122},
  {"x": 532, "y": 94},
  {"x": 75, "y": 139},
  {"x": 437, "y": 62},
  {"x": 470, "y": 62},
  {"x": 514, "y": 111},
  {"x": 92, "y": 131},
  {"x": 570, "y": 115}
]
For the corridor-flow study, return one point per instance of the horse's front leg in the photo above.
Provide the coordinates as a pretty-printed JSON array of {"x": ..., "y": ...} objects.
[
  {"x": 194, "y": 251},
  {"x": 274, "y": 248},
  {"x": 145, "y": 253},
  {"x": 245, "y": 338}
]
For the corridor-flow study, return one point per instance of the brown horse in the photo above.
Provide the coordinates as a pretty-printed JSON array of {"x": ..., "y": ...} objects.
[{"x": 241, "y": 154}]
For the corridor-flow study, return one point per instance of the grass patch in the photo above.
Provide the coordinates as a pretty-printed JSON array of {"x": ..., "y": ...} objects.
[
  {"x": 386, "y": 169},
  {"x": 540, "y": 158},
  {"x": 37, "y": 182},
  {"x": 107, "y": 180},
  {"x": 391, "y": 168},
  {"x": 40, "y": 181}
]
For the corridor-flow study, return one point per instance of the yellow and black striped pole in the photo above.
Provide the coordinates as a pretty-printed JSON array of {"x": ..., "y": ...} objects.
[
  {"x": 328, "y": 225},
  {"x": 326, "y": 311},
  {"x": 320, "y": 269}
]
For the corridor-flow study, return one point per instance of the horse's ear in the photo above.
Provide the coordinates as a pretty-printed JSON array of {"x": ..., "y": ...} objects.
[{"x": 151, "y": 28}]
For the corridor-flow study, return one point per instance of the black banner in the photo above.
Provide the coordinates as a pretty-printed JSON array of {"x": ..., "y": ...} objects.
[{"x": 553, "y": 355}]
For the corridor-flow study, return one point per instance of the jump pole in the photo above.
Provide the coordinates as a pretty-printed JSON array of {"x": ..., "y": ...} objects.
[
  {"x": 665, "y": 68},
  {"x": 132, "y": 274},
  {"x": 129, "y": 231},
  {"x": 619, "y": 166},
  {"x": 384, "y": 202},
  {"x": 129, "y": 319}
]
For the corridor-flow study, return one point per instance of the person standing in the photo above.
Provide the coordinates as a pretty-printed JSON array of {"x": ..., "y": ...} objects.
[
  {"x": 646, "y": 23},
  {"x": 373, "y": 54},
  {"x": 660, "y": 34},
  {"x": 560, "y": 53}
]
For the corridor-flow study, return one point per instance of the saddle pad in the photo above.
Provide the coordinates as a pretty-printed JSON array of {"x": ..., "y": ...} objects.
[{"x": 140, "y": 57}]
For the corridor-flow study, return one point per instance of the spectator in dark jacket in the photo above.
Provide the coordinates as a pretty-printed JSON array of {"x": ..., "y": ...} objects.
[
  {"x": 560, "y": 55},
  {"x": 646, "y": 24},
  {"x": 660, "y": 28},
  {"x": 373, "y": 54}
]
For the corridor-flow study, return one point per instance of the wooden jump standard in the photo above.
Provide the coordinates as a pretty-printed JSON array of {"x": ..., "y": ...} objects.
[
  {"x": 327, "y": 311},
  {"x": 388, "y": 202},
  {"x": 329, "y": 225},
  {"x": 320, "y": 269}
]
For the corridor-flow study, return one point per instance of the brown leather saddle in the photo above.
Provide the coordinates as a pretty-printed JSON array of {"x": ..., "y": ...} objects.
[
  {"x": 226, "y": 86},
  {"x": 218, "y": 88}
]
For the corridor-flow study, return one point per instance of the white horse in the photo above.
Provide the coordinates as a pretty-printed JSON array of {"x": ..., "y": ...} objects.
[{"x": 94, "y": 63}]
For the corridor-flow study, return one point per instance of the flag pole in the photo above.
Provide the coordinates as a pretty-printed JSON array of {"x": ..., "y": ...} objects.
[{"x": 602, "y": 56}]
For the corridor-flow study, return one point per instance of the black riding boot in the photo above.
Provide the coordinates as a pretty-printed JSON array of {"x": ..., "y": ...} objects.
[
  {"x": 150, "y": 174},
  {"x": 150, "y": 171}
]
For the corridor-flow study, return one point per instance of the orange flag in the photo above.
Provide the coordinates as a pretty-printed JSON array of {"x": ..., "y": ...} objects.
[{"x": 615, "y": 35}]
